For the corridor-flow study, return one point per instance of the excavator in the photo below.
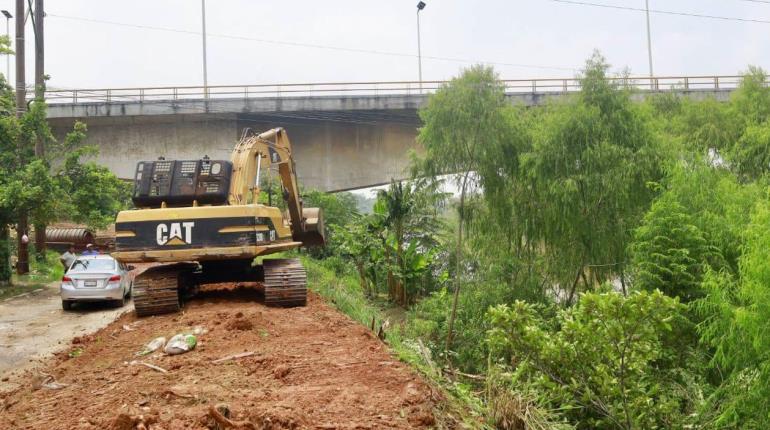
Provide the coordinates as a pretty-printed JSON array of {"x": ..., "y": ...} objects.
[{"x": 202, "y": 220}]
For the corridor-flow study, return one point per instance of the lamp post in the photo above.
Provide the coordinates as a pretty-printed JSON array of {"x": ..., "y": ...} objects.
[
  {"x": 649, "y": 38},
  {"x": 420, "y": 6},
  {"x": 205, "y": 65},
  {"x": 8, "y": 17}
]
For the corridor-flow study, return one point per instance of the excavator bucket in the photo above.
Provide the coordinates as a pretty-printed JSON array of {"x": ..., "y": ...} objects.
[{"x": 314, "y": 228}]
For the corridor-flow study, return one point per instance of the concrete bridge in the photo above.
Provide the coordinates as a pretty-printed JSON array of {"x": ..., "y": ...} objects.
[{"x": 345, "y": 135}]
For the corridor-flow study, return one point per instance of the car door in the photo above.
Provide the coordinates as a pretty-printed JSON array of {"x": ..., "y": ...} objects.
[{"x": 124, "y": 281}]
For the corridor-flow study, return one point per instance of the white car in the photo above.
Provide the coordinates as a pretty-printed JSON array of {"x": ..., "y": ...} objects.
[{"x": 93, "y": 278}]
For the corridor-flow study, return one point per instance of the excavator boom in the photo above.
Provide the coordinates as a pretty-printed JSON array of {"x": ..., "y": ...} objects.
[{"x": 251, "y": 155}]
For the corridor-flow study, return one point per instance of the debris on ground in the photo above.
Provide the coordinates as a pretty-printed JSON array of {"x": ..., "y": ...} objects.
[
  {"x": 234, "y": 357},
  {"x": 151, "y": 366},
  {"x": 153, "y": 346},
  {"x": 133, "y": 422},
  {"x": 46, "y": 381},
  {"x": 316, "y": 369},
  {"x": 180, "y": 343}
]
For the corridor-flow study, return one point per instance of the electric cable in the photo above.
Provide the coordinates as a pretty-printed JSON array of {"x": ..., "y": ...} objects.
[{"x": 661, "y": 12}]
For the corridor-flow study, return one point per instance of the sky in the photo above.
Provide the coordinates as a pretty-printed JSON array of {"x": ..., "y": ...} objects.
[{"x": 112, "y": 43}]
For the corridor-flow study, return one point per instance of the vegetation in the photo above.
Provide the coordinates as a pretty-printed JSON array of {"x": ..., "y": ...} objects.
[
  {"x": 602, "y": 264},
  {"x": 58, "y": 186}
]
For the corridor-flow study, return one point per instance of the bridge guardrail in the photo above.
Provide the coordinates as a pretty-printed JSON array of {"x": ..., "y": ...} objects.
[{"x": 512, "y": 86}]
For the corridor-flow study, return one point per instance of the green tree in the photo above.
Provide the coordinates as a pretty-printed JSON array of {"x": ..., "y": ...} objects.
[
  {"x": 736, "y": 313},
  {"x": 608, "y": 362},
  {"x": 405, "y": 222},
  {"x": 463, "y": 120},
  {"x": 590, "y": 167},
  {"x": 670, "y": 253},
  {"x": 92, "y": 195}
]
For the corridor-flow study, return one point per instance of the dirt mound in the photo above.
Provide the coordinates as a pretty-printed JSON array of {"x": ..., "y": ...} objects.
[
  {"x": 239, "y": 323},
  {"x": 267, "y": 368}
]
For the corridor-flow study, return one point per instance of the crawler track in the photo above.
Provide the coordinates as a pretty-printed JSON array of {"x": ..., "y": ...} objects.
[
  {"x": 157, "y": 290},
  {"x": 285, "y": 282}
]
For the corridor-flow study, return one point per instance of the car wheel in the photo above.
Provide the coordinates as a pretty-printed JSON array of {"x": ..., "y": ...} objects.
[
  {"x": 66, "y": 305},
  {"x": 119, "y": 303}
]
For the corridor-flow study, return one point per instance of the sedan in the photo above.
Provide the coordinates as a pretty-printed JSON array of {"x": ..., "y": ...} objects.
[{"x": 96, "y": 278}]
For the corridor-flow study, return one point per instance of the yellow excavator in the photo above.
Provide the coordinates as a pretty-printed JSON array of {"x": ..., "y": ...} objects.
[{"x": 204, "y": 220}]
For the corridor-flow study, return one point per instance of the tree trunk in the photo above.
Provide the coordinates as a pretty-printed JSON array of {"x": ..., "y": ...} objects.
[
  {"x": 574, "y": 286},
  {"x": 391, "y": 286},
  {"x": 623, "y": 281},
  {"x": 22, "y": 263},
  {"x": 5, "y": 256},
  {"x": 400, "y": 286},
  {"x": 458, "y": 269},
  {"x": 362, "y": 279},
  {"x": 40, "y": 247}
]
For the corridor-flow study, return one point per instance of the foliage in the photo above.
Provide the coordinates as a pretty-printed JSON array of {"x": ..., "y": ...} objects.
[
  {"x": 29, "y": 185},
  {"x": 339, "y": 209},
  {"x": 608, "y": 362},
  {"x": 590, "y": 169},
  {"x": 94, "y": 194},
  {"x": 465, "y": 128},
  {"x": 737, "y": 326},
  {"x": 560, "y": 209},
  {"x": 670, "y": 253}
]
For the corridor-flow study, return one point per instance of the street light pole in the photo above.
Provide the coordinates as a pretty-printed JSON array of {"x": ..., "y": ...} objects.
[
  {"x": 22, "y": 263},
  {"x": 420, "y": 6},
  {"x": 205, "y": 64},
  {"x": 649, "y": 38},
  {"x": 8, "y": 17}
]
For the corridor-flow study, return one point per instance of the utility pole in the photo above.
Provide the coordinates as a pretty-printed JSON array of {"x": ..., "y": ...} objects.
[
  {"x": 8, "y": 17},
  {"x": 38, "y": 20},
  {"x": 649, "y": 38},
  {"x": 39, "y": 61},
  {"x": 22, "y": 264},
  {"x": 420, "y": 6},
  {"x": 205, "y": 63}
]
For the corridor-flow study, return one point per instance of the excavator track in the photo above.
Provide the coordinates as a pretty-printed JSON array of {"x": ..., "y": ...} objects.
[
  {"x": 157, "y": 289},
  {"x": 285, "y": 282}
]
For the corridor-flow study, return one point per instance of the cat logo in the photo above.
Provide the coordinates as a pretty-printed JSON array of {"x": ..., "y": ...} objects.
[{"x": 172, "y": 234}]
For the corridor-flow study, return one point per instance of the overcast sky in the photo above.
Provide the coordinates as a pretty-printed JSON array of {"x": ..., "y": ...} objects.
[{"x": 550, "y": 37}]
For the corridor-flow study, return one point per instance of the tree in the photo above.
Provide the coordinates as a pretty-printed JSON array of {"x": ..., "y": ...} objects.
[
  {"x": 462, "y": 120},
  {"x": 670, "y": 253},
  {"x": 93, "y": 194},
  {"x": 608, "y": 362},
  {"x": 736, "y": 313},
  {"x": 590, "y": 168},
  {"x": 405, "y": 221}
]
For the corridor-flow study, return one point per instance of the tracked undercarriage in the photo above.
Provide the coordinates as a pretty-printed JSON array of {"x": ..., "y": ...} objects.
[{"x": 163, "y": 289}]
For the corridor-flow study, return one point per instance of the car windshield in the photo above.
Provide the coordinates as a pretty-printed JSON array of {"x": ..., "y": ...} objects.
[{"x": 92, "y": 265}]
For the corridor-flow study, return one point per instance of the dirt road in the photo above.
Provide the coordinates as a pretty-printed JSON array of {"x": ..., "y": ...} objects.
[
  {"x": 308, "y": 367},
  {"x": 34, "y": 325}
]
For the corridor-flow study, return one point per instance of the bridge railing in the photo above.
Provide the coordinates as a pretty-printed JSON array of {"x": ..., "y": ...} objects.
[{"x": 512, "y": 86}]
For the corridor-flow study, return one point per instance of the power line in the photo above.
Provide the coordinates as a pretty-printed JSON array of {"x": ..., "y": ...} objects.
[
  {"x": 757, "y": 1},
  {"x": 663, "y": 12},
  {"x": 311, "y": 45}
]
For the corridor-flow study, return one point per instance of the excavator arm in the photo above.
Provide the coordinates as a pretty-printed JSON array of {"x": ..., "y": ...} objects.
[{"x": 256, "y": 152}]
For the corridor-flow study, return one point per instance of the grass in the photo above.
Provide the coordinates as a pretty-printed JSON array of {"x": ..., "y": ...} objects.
[
  {"x": 41, "y": 273},
  {"x": 13, "y": 290}
]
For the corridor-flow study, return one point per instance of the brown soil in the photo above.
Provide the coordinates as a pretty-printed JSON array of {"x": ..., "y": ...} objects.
[{"x": 297, "y": 368}]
